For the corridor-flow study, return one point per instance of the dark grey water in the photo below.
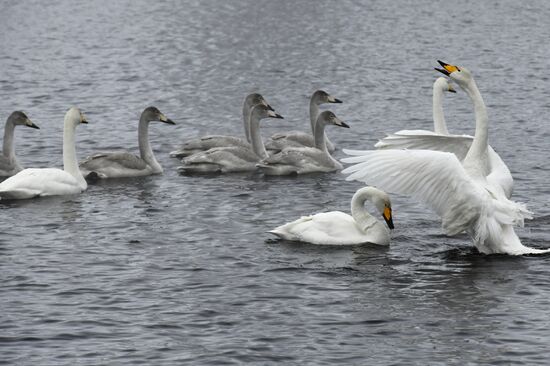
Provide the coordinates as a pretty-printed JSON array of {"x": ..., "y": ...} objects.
[{"x": 167, "y": 269}]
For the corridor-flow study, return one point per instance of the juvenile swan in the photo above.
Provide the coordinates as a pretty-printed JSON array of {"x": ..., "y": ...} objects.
[
  {"x": 208, "y": 142},
  {"x": 440, "y": 140},
  {"x": 124, "y": 164},
  {"x": 279, "y": 141},
  {"x": 8, "y": 162},
  {"x": 460, "y": 192},
  {"x": 338, "y": 228},
  {"x": 234, "y": 158},
  {"x": 30, "y": 183},
  {"x": 303, "y": 160}
]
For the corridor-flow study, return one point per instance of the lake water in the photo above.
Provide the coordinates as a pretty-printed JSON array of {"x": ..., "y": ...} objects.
[{"x": 170, "y": 269}]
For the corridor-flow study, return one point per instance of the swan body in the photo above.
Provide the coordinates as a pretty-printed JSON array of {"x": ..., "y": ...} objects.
[
  {"x": 30, "y": 183},
  {"x": 303, "y": 160},
  {"x": 458, "y": 191},
  {"x": 234, "y": 158},
  {"x": 440, "y": 140},
  {"x": 124, "y": 164},
  {"x": 280, "y": 141},
  {"x": 212, "y": 141},
  {"x": 339, "y": 228},
  {"x": 8, "y": 162}
]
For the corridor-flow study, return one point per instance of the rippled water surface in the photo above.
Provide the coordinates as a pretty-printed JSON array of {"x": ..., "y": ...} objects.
[{"x": 166, "y": 269}]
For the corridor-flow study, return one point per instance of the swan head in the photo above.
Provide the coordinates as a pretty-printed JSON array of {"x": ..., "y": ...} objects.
[
  {"x": 329, "y": 118},
  {"x": 261, "y": 111},
  {"x": 75, "y": 117},
  {"x": 151, "y": 114},
  {"x": 19, "y": 118},
  {"x": 322, "y": 97},
  {"x": 444, "y": 85},
  {"x": 382, "y": 202},
  {"x": 461, "y": 75},
  {"x": 255, "y": 98}
]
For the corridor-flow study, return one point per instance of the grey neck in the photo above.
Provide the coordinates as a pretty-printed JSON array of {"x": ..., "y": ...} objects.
[
  {"x": 440, "y": 126},
  {"x": 246, "y": 120},
  {"x": 257, "y": 143},
  {"x": 145, "y": 150},
  {"x": 319, "y": 135},
  {"x": 8, "y": 149},
  {"x": 313, "y": 114}
]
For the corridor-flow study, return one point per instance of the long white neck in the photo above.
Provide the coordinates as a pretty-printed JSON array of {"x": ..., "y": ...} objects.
[
  {"x": 256, "y": 138},
  {"x": 478, "y": 149},
  {"x": 8, "y": 148},
  {"x": 437, "y": 107},
  {"x": 246, "y": 120},
  {"x": 145, "y": 150},
  {"x": 70, "y": 161},
  {"x": 362, "y": 217}
]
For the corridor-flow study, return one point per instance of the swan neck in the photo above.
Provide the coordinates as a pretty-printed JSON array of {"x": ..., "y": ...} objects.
[
  {"x": 70, "y": 161},
  {"x": 256, "y": 139},
  {"x": 440, "y": 126},
  {"x": 313, "y": 114},
  {"x": 8, "y": 147},
  {"x": 479, "y": 145},
  {"x": 145, "y": 150},
  {"x": 319, "y": 134},
  {"x": 246, "y": 120},
  {"x": 359, "y": 213}
]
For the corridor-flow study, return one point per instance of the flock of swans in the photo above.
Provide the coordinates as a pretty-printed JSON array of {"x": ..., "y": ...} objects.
[{"x": 460, "y": 177}]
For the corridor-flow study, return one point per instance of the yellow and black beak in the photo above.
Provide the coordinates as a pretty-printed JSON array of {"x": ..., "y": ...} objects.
[
  {"x": 447, "y": 69},
  {"x": 387, "y": 217},
  {"x": 164, "y": 119}
]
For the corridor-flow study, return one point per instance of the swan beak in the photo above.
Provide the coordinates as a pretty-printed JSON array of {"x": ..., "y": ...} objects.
[
  {"x": 341, "y": 123},
  {"x": 447, "y": 69},
  {"x": 387, "y": 217},
  {"x": 83, "y": 118},
  {"x": 164, "y": 119},
  {"x": 32, "y": 125},
  {"x": 269, "y": 107},
  {"x": 274, "y": 115},
  {"x": 331, "y": 99},
  {"x": 451, "y": 89}
]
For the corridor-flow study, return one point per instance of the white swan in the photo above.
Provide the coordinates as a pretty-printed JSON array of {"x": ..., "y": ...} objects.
[
  {"x": 8, "y": 162},
  {"x": 124, "y": 164},
  {"x": 30, "y": 183},
  {"x": 208, "y": 142},
  {"x": 459, "y": 192},
  {"x": 280, "y": 141},
  {"x": 338, "y": 228},
  {"x": 234, "y": 158},
  {"x": 498, "y": 173},
  {"x": 303, "y": 160}
]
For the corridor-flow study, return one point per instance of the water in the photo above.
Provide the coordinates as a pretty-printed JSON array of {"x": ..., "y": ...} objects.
[{"x": 166, "y": 269}]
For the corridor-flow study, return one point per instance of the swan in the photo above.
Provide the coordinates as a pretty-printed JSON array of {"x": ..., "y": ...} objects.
[
  {"x": 441, "y": 140},
  {"x": 459, "y": 192},
  {"x": 339, "y": 228},
  {"x": 233, "y": 158},
  {"x": 124, "y": 164},
  {"x": 32, "y": 182},
  {"x": 303, "y": 160},
  {"x": 279, "y": 141},
  {"x": 8, "y": 162},
  {"x": 211, "y": 141}
]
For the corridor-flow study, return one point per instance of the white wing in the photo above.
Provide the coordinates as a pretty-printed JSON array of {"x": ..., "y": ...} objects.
[{"x": 434, "y": 177}]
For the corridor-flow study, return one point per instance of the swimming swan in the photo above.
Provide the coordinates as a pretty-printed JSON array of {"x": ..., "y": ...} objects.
[
  {"x": 234, "y": 158},
  {"x": 31, "y": 182},
  {"x": 279, "y": 141},
  {"x": 338, "y": 228},
  {"x": 303, "y": 160},
  {"x": 8, "y": 162},
  {"x": 208, "y": 142},
  {"x": 124, "y": 164},
  {"x": 498, "y": 173},
  {"x": 459, "y": 192}
]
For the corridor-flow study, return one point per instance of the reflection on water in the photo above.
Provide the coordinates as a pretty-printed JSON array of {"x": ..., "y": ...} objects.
[{"x": 171, "y": 268}]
